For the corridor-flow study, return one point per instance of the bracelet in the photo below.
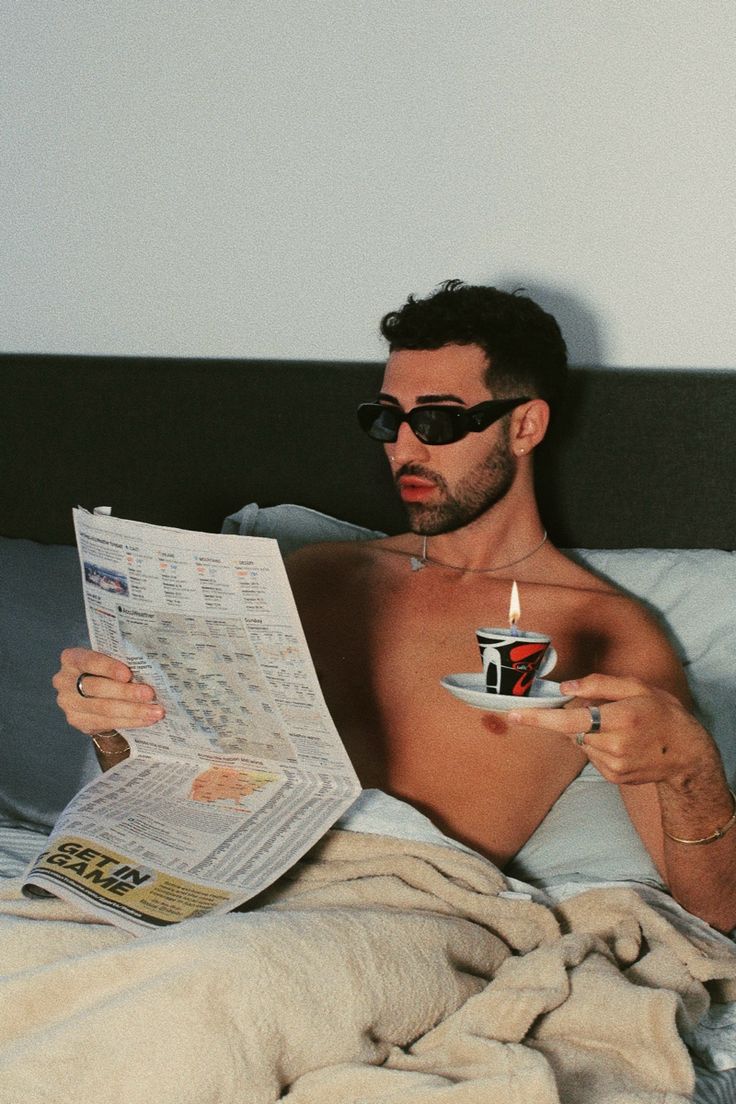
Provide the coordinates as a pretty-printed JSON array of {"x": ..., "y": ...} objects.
[
  {"x": 107, "y": 752},
  {"x": 719, "y": 832}
]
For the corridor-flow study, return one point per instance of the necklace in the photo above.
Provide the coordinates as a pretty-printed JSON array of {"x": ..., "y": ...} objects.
[{"x": 419, "y": 562}]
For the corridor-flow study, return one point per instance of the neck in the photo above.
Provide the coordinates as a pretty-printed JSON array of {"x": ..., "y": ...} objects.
[
  {"x": 505, "y": 533},
  {"x": 425, "y": 559}
]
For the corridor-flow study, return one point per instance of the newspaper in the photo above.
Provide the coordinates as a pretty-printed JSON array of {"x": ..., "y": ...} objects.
[{"x": 246, "y": 771}]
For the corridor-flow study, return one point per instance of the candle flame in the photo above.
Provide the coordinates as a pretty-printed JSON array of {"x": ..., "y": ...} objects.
[{"x": 514, "y": 605}]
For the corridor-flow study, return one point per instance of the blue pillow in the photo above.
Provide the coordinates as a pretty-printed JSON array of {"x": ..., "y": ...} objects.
[
  {"x": 293, "y": 526},
  {"x": 43, "y": 762}
]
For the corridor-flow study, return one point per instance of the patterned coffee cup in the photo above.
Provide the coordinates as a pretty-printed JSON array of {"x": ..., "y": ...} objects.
[{"x": 511, "y": 662}]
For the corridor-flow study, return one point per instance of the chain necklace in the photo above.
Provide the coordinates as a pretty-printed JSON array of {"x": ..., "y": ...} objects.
[{"x": 419, "y": 562}]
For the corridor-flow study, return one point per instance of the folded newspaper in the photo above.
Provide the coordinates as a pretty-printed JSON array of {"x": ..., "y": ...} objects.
[{"x": 246, "y": 771}]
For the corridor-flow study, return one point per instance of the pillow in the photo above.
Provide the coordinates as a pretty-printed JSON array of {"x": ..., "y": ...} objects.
[
  {"x": 43, "y": 762},
  {"x": 586, "y": 836},
  {"x": 293, "y": 526},
  {"x": 694, "y": 593}
]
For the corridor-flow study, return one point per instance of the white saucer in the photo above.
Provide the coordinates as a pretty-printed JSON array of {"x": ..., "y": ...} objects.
[{"x": 471, "y": 689}]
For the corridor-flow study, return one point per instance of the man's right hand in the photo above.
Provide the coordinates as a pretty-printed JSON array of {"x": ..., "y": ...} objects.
[{"x": 111, "y": 699}]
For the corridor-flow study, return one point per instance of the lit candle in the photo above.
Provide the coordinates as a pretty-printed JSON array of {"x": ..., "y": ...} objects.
[{"x": 514, "y": 609}]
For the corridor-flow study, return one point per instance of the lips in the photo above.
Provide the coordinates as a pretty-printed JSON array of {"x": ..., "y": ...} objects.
[{"x": 412, "y": 488}]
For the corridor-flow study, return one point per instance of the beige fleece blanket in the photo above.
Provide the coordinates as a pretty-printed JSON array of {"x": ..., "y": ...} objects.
[{"x": 380, "y": 970}]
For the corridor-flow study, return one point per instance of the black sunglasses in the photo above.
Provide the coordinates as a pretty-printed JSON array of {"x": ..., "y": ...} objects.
[{"x": 433, "y": 425}]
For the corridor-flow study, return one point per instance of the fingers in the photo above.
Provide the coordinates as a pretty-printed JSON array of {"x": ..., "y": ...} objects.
[
  {"x": 82, "y": 660},
  {"x": 568, "y": 721},
  {"x": 576, "y": 718},
  {"x": 605, "y": 749},
  {"x": 605, "y": 687},
  {"x": 645, "y": 733},
  {"x": 605, "y": 742},
  {"x": 110, "y": 699},
  {"x": 614, "y": 694},
  {"x": 92, "y": 687}
]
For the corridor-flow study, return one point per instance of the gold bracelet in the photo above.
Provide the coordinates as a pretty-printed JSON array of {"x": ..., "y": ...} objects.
[{"x": 719, "y": 832}]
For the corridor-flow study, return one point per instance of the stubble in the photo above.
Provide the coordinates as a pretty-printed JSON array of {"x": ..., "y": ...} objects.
[{"x": 485, "y": 485}]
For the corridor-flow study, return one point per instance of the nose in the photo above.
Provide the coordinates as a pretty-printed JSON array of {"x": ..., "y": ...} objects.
[{"x": 407, "y": 448}]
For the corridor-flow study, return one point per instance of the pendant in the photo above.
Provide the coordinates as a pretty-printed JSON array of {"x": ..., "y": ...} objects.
[{"x": 417, "y": 564}]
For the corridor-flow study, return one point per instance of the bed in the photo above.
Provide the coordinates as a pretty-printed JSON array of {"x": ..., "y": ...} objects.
[{"x": 639, "y": 486}]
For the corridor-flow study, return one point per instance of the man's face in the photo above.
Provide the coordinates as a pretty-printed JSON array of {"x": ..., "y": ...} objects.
[{"x": 445, "y": 487}]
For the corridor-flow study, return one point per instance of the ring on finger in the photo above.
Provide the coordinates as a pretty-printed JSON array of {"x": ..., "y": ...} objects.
[
  {"x": 595, "y": 718},
  {"x": 595, "y": 725},
  {"x": 80, "y": 689}
]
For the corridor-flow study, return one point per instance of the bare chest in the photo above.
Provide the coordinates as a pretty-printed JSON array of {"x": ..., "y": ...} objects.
[{"x": 381, "y": 670}]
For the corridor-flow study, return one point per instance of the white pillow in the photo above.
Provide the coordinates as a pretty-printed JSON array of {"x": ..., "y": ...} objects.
[{"x": 694, "y": 593}]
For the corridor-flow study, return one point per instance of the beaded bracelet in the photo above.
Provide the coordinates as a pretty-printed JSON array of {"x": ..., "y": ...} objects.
[{"x": 719, "y": 832}]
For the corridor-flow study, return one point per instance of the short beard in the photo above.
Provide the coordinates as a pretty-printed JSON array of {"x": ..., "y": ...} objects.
[{"x": 476, "y": 493}]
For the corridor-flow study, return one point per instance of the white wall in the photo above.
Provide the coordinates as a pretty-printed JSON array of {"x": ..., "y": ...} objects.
[{"x": 266, "y": 178}]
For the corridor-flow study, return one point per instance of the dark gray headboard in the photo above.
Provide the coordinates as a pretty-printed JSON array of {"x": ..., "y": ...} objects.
[{"x": 645, "y": 458}]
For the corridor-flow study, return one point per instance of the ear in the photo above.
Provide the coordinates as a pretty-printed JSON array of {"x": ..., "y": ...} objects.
[{"x": 528, "y": 426}]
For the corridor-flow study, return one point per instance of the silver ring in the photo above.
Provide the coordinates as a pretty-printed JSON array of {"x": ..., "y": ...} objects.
[
  {"x": 80, "y": 691},
  {"x": 580, "y": 738},
  {"x": 595, "y": 718}
]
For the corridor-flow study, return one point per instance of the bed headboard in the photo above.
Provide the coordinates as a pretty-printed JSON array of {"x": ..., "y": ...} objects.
[{"x": 644, "y": 457}]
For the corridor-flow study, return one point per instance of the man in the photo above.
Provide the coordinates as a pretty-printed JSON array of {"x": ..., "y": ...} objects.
[{"x": 387, "y": 619}]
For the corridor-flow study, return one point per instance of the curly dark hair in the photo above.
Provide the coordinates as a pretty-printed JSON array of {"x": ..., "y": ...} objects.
[{"x": 523, "y": 343}]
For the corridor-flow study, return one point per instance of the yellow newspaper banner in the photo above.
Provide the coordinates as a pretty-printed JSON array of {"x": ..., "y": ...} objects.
[{"x": 107, "y": 877}]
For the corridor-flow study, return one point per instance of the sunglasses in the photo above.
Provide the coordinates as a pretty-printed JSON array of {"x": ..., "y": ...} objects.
[{"x": 433, "y": 425}]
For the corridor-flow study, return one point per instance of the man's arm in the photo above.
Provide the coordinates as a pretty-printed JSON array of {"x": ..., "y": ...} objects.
[
  {"x": 667, "y": 765},
  {"x": 695, "y": 806}
]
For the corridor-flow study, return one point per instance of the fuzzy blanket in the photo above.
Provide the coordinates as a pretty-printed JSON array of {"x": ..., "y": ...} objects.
[{"x": 379, "y": 970}]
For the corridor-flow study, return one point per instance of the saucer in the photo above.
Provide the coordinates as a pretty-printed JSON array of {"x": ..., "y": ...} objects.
[{"x": 471, "y": 689}]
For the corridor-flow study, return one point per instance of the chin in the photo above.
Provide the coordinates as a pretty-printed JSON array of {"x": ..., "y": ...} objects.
[{"x": 432, "y": 522}]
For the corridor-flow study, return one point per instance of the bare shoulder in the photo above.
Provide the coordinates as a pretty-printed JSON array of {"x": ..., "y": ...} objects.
[
  {"x": 594, "y": 593},
  {"x": 557, "y": 569},
  {"x": 331, "y": 583},
  {"x": 635, "y": 640},
  {"x": 328, "y": 568},
  {"x": 329, "y": 555}
]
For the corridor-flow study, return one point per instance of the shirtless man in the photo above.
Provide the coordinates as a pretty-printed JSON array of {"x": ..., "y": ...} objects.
[{"x": 387, "y": 619}]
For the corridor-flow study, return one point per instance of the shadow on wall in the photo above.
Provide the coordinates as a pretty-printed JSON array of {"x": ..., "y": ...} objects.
[{"x": 579, "y": 325}]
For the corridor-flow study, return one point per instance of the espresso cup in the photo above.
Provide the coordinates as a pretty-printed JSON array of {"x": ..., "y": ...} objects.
[{"x": 511, "y": 662}]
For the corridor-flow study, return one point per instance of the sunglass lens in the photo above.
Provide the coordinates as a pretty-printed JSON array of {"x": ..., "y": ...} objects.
[
  {"x": 433, "y": 426},
  {"x": 380, "y": 422}
]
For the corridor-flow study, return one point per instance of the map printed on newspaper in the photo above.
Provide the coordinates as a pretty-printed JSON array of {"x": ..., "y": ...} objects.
[{"x": 245, "y": 772}]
